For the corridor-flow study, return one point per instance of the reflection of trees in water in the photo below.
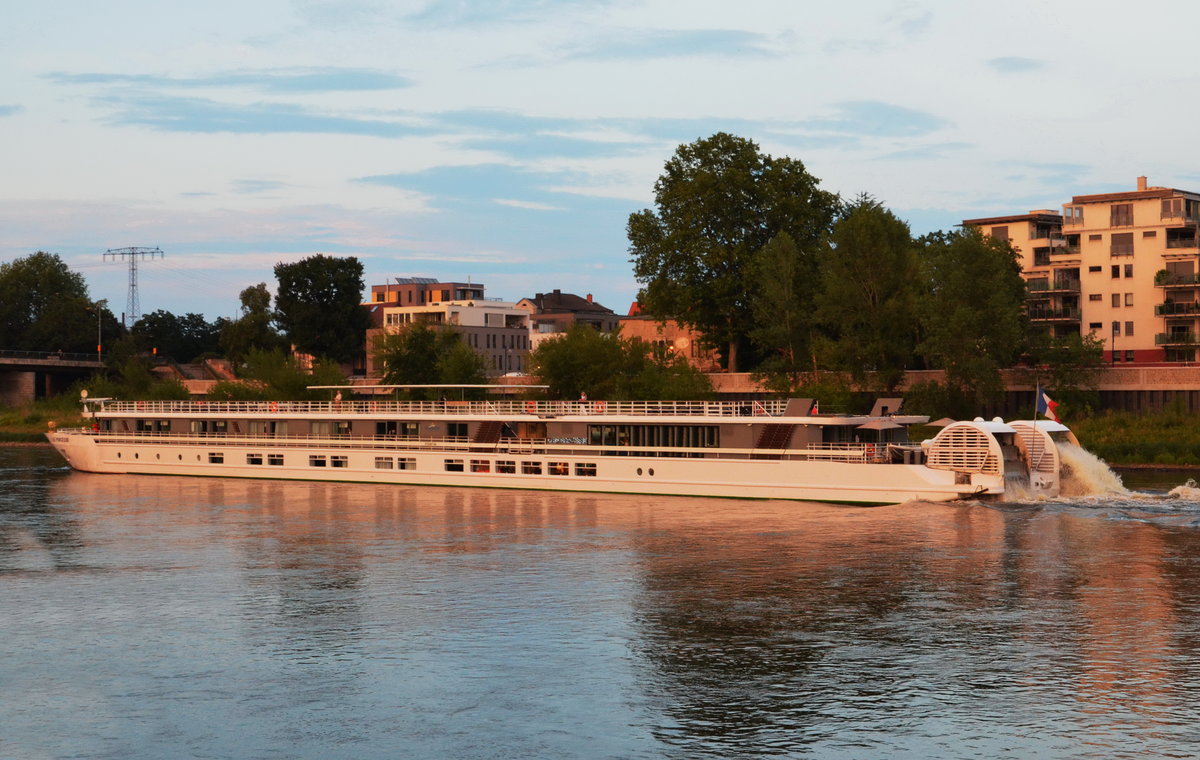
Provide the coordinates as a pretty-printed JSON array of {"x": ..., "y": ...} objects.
[
  {"x": 34, "y": 524},
  {"x": 735, "y": 631}
]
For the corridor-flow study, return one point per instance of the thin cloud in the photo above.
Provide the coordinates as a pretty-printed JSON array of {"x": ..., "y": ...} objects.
[
  {"x": 179, "y": 114},
  {"x": 674, "y": 43},
  {"x": 460, "y": 13},
  {"x": 1015, "y": 65},
  {"x": 926, "y": 152},
  {"x": 529, "y": 205},
  {"x": 877, "y": 119},
  {"x": 10, "y": 110},
  {"x": 308, "y": 80}
]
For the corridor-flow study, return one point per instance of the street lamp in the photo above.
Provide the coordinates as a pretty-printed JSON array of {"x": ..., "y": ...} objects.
[{"x": 99, "y": 312}]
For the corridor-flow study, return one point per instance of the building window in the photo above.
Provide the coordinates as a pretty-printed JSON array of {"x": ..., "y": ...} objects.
[
  {"x": 1116, "y": 270},
  {"x": 1121, "y": 215},
  {"x": 1128, "y": 329},
  {"x": 1000, "y": 233},
  {"x": 1129, "y": 299},
  {"x": 1122, "y": 244},
  {"x": 1095, "y": 297},
  {"x": 339, "y": 461},
  {"x": 1095, "y": 269},
  {"x": 1129, "y": 355},
  {"x": 1095, "y": 237},
  {"x": 1116, "y": 329},
  {"x": 1073, "y": 215},
  {"x": 1172, "y": 208},
  {"x": 1095, "y": 325},
  {"x": 383, "y": 463},
  {"x": 274, "y": 460},
  {"x": 1129, "y": 270},
  {"x": 454, "y": 465},
  {"x": 1150, "y": 234},
  {"x": 531, "y": 468},
  {"x": 1116, "y": 300},
  {"x": 254, "y": 459},
  {"x": 585, "y": 469}
]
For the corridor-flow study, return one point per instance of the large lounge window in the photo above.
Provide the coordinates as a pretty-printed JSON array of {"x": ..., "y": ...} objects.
[{"x": 655, "y": 436}]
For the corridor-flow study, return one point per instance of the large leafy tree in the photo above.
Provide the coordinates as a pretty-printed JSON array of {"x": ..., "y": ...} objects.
[
  {"x": 781, "y": 304},
  {"x": 607, "y": 366},
  {"x": 182, "y": 338},
  {"x": 253, "y": 329},
  {"x": 972, "y": 309},
  {"x": 421, "y": 355},
  {"x": 318, "y": 306},
  {"x": 867, "y": 300},
  {"x": 44, "y": 306},
  {"x": 718, "y": 202}
]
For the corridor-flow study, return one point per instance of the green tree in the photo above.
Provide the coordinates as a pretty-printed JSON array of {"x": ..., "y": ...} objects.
[
  {"x": 718, "y": 203},
  {"x": 972, "y": 309},
  {"x": 253, "y": 329},
  {"x": 781, "y": 305},
  {"x": 867, "y": 301},
  {"x": 44, "y": 306},
  {"x": 182, "y": 338},
  {"x": 1070, "y": 365},
  {"x": 607, "y": 366},
  {"x": 318, "y": 306},
  {"x": 584, "y": 360},
  {"x": 422, "y": 355},
  {"x": 278, "y": 376}
]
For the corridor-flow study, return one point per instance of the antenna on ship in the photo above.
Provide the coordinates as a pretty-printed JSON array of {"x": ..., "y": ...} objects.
[{"x": 132, "y": 308}]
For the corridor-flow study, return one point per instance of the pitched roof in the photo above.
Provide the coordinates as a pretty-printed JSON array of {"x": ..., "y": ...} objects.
[{"x": 559, "y": 302}]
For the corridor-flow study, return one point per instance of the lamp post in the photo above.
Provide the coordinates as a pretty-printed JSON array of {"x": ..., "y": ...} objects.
[{"x": 99, "y": 313}]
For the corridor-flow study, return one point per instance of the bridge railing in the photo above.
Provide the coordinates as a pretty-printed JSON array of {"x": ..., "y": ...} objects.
[{"x": 6, "y": 353}]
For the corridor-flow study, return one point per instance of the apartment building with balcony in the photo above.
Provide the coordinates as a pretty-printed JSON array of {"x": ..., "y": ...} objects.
[
  {"x": 1123, "y": 266},
  {"x": 497, "y": 330}
]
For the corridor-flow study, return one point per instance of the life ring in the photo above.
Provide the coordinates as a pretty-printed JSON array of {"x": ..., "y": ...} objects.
[
  {"x": 141, "y": 405},
  {"x": 870, "y": 451},
  {"x": 598, "y": 407},
  {"x": 274, "y": 406},
  {"x": 531, "y": 407},
  {"x": 374, "y": 406}
]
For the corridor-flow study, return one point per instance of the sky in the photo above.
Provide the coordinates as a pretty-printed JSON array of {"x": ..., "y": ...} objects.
[{"x": 507, "y": 141}]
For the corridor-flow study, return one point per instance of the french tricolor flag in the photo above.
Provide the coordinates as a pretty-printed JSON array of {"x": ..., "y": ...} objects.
[{"x": 1046, "y": 406}]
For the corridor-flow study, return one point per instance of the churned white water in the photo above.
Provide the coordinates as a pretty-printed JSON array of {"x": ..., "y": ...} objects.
[{"x": 1085, "y": 474}]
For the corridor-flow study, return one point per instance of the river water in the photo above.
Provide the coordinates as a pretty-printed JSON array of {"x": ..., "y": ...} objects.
[{"x": 158, "y": 617}]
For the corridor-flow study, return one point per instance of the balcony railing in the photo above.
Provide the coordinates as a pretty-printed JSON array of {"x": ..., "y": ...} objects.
[
  {"x": 1175, "y": 339},
  {"x": 1166, "y": 280},
  {"x": 1054, "y": 315},
  {"x": 1065, "y": 284},
  {"x": 1175, "y": 309}
]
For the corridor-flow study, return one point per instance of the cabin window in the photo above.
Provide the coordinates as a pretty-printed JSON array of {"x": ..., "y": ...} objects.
[
  {"x": 387, "y": 427},
  {"x": 454, "y": 465},
  {"x": 383, "y": 463},
  {"x": 481, "y": 465},
  {"x": 339, "y": 461},
  {"x": 585, "y": 469},
  {"x": 216, "y": 457},
  {"x": 531, "y": 468},
  {"x": 506, "y": 466},
  {"x": 316, "y": 460},
  {"x": 406, "y": 463},
  {"x": 254, "y": 459},
  {"x": 275, "y": 460},
  {"x": 558, "y": 468},
  {"x": 456, "y": 429}
]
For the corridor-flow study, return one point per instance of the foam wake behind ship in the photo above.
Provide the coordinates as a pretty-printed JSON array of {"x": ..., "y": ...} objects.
[{"x": 756, "y": 449}]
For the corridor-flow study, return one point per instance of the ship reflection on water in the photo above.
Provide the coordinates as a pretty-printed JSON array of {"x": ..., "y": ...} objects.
[{"x": 242, "y": 618}]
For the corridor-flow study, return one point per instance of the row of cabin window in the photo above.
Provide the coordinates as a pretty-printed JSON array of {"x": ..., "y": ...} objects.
[{"x": 509, "y": 466}]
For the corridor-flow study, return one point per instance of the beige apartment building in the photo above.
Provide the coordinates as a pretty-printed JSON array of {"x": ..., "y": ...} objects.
[{"x": 1122, "y": 266}]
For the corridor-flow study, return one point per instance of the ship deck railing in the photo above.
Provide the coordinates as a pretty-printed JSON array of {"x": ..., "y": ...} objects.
[
  {"x": 832, "y": 452},
  {"x": 548, "y": 409}
]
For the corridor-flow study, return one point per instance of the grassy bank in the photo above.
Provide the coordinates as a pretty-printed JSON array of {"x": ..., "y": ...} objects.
[
  {"x": 28, "y": 423},
  {"x": 1168, "y": 438}
]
